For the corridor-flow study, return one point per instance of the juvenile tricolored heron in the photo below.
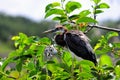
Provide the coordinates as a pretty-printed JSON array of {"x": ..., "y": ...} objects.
[{"x": 76, "y": 41}]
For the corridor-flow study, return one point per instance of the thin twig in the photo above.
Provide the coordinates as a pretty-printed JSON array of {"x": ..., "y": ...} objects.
[
  {"x": 89, "y": 29},
  {"x": 105, "y": 28}
]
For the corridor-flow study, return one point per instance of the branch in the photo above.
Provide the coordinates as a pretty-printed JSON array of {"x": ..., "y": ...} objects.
[
  {"x": 105, "y": 28},
  {"x": 100, "y": 27}
]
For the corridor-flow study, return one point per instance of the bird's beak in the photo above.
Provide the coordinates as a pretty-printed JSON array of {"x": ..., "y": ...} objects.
[{"x": 49, "y": 31}]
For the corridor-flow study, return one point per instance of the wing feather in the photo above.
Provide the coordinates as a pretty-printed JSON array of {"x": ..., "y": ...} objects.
[{"x": 79, "y": 44}]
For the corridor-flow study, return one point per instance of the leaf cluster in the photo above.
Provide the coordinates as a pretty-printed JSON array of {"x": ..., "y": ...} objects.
[{"x": 65, "y": 13}]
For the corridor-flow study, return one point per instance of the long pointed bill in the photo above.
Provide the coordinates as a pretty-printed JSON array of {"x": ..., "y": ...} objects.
[{"x": 49, "y": 31}]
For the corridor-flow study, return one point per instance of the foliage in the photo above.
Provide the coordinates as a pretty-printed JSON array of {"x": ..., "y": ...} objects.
[
  {"x": 64, "y": 13},
  {"x": 32, "y": 61}
]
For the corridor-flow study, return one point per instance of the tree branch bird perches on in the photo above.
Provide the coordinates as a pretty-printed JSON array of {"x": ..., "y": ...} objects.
[{"x": 76, "y": 41}]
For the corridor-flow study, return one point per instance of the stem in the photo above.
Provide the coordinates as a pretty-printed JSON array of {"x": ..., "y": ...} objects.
[
  {"x": 94, "y": 16},
  {"x": 105, "y": 28}
]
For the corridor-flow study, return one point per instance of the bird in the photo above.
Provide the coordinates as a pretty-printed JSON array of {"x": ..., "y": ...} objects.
[{"x": 75, "y": 40}]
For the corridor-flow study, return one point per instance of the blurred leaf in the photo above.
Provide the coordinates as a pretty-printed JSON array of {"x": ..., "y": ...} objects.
[
  {"x": 86, "y": 62},
  {"x": 54, "y": 11},
  {"x": 103, "y": 5},
  {"x": 98, "y": 45},
  {"x": 45, "y": 40},
  {"x": 111, "y": 34},
  {"x": 19, "y": 66},
  {"x": 85, "y": 75},
  {"x": 50, "y": 62},
  {"x": 61, "y": 19},
  {"x": 102, "y": 51},
  {"x": 51, "y": 6},
  {"x": 71, "y": 6},
  {"x": 67, "y": 58},
  {"x": 54, "y": 68},
  {"x": 108, "y": 68},
  {"x": 22, "y": 36},
  {"x": 98, "y": 11},
  {"x": 117, "y": 71},
  {"x": 41, "y": 50},
  {"x": 116, "y": 45},
  {"x": 14, "y": 74},
  {"x": 86, "y": 19},
  {"x": 31, "y": 66},
  {"x": 15, "y": 38},
  {"x": 73, "y": 17},
  {"x": 84, "y": 13},
  {"x": 96, "y": 1},
  {"x": 118, "y": 62},
  {"x": 105, "y": 60}
]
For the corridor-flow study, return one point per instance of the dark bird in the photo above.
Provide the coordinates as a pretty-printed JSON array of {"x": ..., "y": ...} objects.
[{"x": 76, "y": 41}]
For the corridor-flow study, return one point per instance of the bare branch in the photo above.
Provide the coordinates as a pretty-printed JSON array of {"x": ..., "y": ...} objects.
[
  {"x": 100, "y": 27},
  {"x": 105, "y": 28}
]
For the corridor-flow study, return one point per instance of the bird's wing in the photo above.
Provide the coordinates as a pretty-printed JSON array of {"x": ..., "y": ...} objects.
[{"x": 78, "y": 43}]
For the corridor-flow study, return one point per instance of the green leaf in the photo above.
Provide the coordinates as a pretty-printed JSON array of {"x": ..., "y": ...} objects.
[
  {"x": 85, "y": 75},
  {"x": 15, "y": 38},
  {"x": 84, "y": 13},
  {"x": 73, "y": 17},
  {"x": 117, "y": 45},
  {"x": 111, "y": 34},
  {"x": 99, "y": 11},
  {"x": 71, "y": 6},
  {"x": 118, "y": 62},
  {"x": 98, "y": 45},
  {"x": 50, "y": 62},
  {"x": 110, "y": 68},
  {"x": 103, "y": 5},
  {"x": 86, "y": 19},
  {"x": 31, "y": 66},
  {"x": 67, "y": 58},
  {"x": 86, "y": 62},
  {"x": 61, "y": 19},
  {"x": 45, "y": 40},
  {"x": 96, "y": 1},
  {"x": 117, "y": 71},
  {"x": 105, "y": 60},
  {"x": 54, "y": 11},
  {"x": 14, "y": 74},
  {"x": 22, "y": 36},
  {"x": 51, "y": 6},
  {"x": 19, "y": 66},
  {"x": 41, "y": 50}
]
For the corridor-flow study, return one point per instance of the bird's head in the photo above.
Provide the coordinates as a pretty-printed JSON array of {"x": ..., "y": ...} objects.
[{"x": 57, "y": 29}]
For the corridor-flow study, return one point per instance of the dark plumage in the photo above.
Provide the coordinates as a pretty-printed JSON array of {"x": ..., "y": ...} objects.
[
  {"x": 76, "y": 41},
  {"x": 59, "y": 39}
]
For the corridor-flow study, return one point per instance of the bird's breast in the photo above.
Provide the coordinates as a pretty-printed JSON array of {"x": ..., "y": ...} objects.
[{"x": 59, "y": 39}]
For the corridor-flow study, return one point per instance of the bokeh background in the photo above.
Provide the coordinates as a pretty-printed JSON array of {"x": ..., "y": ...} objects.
[{"x": 27, "y": 16}]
